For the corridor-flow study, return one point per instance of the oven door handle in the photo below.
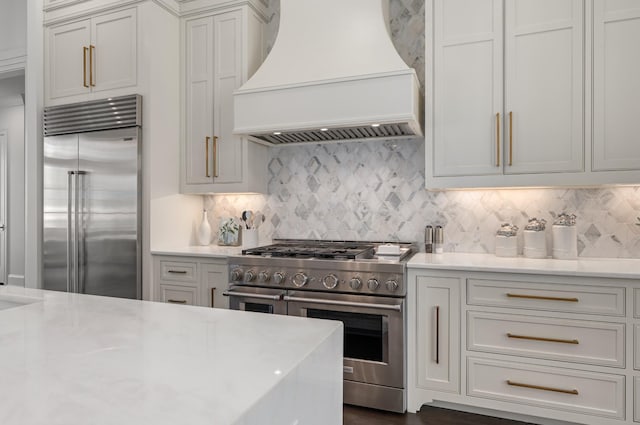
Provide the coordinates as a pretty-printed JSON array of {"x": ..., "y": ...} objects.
[
  {"x": 344, "y": 303},
  {"x": 250, "y": 295}
]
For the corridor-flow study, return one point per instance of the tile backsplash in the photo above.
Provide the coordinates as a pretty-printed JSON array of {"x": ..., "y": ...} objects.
[{"x": 375, "y": 190}]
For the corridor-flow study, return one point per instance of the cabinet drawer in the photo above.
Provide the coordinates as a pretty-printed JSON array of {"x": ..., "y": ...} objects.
[
  {"x": 171, "y": 294},
  {"x": 636, "y": 303},
  {"x": 579, "y": 341},
  {"x": 547, "y": 296},
  {"x": 636, "y": 399},
  {"x": 636, "y": 346},
  {"x": 592, "y": 393},
  {"x": 178, "y": 271}
]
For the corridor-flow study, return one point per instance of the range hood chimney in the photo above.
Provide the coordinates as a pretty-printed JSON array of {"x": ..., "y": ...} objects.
[{"x": 333, "y": 75}]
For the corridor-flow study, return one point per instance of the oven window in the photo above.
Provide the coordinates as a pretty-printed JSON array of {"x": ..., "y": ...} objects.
[
  {"x": 363, "y": 333},
  {"x": 258, "y": 308}
]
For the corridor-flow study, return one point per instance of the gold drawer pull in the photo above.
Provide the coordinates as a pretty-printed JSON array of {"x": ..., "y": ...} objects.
[
  {"x": 206, "y": 156},
  {"x": 538, "y": 338},
  {"x": 177, "y": 271},
  {"x": 498, "y": 139},
  {"x": 213, "y": 295},
  {"x": 538, "y": 387},
  {"x": 84, "y": 66},
  {"x": 177, "y": 301},
  {"x": 538, "y": 297},
  {"x": 510, "y": 139}
]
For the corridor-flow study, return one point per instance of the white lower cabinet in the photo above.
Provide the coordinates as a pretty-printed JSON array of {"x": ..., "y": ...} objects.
[
  {"x": 190, "y": 281},
  {"x": 539, "y": 346}
]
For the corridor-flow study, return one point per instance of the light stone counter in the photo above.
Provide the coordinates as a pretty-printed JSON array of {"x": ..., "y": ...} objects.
[
  {"x": 210, "y": 251},
  {"x": 69, "y": 359},
  {"x": 596, "y": 267}
]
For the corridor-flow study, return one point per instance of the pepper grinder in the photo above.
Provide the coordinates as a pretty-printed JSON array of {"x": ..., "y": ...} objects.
[
  {"x": 439, "y": 240},
  {"x": 428, "y": 239}
]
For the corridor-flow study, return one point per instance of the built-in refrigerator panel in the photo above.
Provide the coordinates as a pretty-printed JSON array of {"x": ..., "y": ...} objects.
[{"x": 92, "y": 199}]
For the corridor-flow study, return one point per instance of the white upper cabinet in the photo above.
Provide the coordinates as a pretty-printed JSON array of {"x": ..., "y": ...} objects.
[
  {"x": 217, "y": 61},
  {"x": 616, "y": 85},
  {"x": 544, "y": 80},
  {"x": 507, "y": 90},
  {"x": 91, "y": 56}
]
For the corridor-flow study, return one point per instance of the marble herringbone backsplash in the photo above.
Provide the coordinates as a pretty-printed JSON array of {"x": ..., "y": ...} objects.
[{"x": 375, "y": 191}]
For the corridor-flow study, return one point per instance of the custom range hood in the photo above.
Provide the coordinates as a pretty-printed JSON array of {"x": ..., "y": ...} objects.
[{"x": 333, "y": 75}]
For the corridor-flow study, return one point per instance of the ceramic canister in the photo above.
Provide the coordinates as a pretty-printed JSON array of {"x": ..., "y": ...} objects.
[
  {"x": 507, "y": 241},
  {"x": 565, "y": 237},
  {"x": 535, "y": 240}
]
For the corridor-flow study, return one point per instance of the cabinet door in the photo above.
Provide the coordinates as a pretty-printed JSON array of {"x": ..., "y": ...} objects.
[
  {"x": 66, "y": 51},
  {"x": 215, "y": 282},
  {"x": 438, "y": 333},
  {"x": 113, "y": 51},
  {"x": 467, "y": 92},
  {"x": 227, "y": 65},
  {"x": 616, "y": 86},
  {"x": 199, "y": 101},
  {"x": 544, "y": 80}
]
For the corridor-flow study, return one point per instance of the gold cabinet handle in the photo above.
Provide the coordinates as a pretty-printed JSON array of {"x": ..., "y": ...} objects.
[
  {"x": 538, "y": 297},
  {"x": 177, "y": 271},
  {"x": 84, "y": 66},
  {"x": 538, "y": 338},
  {"x": 510, "y": 138},
  {"x": 215, "y": 156},
  {"x": 437, "y": 334},
  {"x": 91, "y": 51},
  {"x": 498, "y": 139},
  {"x": 539, "y": 387},
  {"x": 206, "y": 155},
  {"x": 213, "y": 294},
  {"x": 177, "y": 301}
]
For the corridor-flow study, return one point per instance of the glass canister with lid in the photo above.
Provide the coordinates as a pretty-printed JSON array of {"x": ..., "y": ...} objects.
[
  {"x": 507, "y": 241},
  {"x": 535, "y": 240}
]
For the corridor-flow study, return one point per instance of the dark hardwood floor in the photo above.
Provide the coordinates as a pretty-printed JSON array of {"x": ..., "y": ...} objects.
[{"x": 427, "y": 416}]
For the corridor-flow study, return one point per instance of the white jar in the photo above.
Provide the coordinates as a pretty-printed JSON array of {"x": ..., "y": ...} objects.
[
  {"x": 565, "y": 237},
  {"x": 535, "y": 240},
  {"x": 507, "y": 241}
]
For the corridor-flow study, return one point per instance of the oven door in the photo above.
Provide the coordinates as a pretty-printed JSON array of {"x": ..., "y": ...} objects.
[
  {"x": 259, "y": 300},
  {"x": 373, "y": 332}
]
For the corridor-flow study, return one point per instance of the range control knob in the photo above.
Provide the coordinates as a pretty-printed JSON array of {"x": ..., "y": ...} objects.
[
  {"x": 263, "y": 277},
  {"x": 355, "y": 283},
  {"x": 373, "y": 284},
  {"x": 236, "y": 275},
  {"x": 392, "y": 285},
  {"x": 330, "y": 281},
  {"x": 249, "y": 276},
  {"x": 278, "y": 278},
  {"x": 300, "y": 279}
]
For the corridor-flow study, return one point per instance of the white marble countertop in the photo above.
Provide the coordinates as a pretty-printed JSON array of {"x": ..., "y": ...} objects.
[
  {"x": 70, "y": 359},
  {"x": 596, "y": 267},
  {"x": 211, "y": 251}
]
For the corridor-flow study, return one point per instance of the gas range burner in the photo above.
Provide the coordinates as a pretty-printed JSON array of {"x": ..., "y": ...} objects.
[{"x": 326, "y": 250}]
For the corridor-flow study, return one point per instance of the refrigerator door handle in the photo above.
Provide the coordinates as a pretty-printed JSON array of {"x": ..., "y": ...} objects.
[
  {"x": 70, "y": 244},
  {"x": 80, "y": 225}
]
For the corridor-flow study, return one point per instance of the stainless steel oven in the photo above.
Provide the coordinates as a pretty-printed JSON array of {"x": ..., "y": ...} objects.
[
  {"x": 344, "y": 281},
  {"x": 373, "y": 342}
]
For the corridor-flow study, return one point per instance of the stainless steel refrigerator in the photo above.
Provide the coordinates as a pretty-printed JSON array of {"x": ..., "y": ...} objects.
[{"x": 92, "y": 197}]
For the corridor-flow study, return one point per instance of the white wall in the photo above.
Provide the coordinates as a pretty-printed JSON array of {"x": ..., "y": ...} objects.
[
  {"x": 12, "y": 120},
  {"x": 13, "y": 34}
]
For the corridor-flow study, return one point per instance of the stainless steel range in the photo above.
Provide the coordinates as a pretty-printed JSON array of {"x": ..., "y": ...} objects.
[{"x": 339, "y": 280}]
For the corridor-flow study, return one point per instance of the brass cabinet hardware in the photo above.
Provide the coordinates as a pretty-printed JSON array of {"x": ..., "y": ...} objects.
[
  {"x": 177, "y": 301},
  {"x": 510, "y": 138},
  {"x": 84, "y": 66},
  {"x": 206, "y": 155},
  {"x": 177, "y": 271},
  {"x": 215, "y": 156},
  {"x": 539, "y": 387},
  {"x": 437, "y": 334},
  {"x": 91, "y": 50},
  {"x": 538, "y": 338},
  {"x": 498, "y": 139},
  {"x": 213, "y": 294},
  {"x": 538, "y": 297}
]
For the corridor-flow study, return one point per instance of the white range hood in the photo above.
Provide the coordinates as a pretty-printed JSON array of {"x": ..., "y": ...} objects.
[{"x": 333, "y": 75}]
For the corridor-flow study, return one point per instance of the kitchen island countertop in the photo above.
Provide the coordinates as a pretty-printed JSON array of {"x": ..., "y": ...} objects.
[
  {"x": 627, "y": 268},
  {"x": 80, "y": 359}
]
